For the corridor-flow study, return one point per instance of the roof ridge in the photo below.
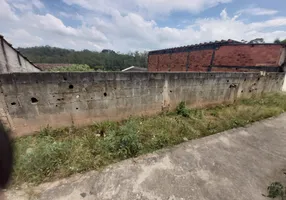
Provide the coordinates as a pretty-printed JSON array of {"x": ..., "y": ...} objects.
[{"x": 229, "y": 41}]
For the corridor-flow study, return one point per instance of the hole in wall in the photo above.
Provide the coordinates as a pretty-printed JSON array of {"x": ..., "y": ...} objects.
[
  {"x": 54, "y": 96},
  {"x": 245, "y": 79},
  {"x": 37, "y": 82},
  {"x": 13, "y": 103},
  {"x": 56, "y": 105},
  {"x": 227, "y": 80},
  {"x": 70, "y": 86},
  {"x": 171, "y": 91},
  {"x": 105, "y": 94},
  {"x": 241, "y": 91},
  {"x": 34, "y": 100},
  {"x": 250, "y": 91},
  {"x": 258, "y": 79},
  {"x": 232, "y": 86},
  {"x": 65, "y": 78},
  {"x": 77, "y": 108}
]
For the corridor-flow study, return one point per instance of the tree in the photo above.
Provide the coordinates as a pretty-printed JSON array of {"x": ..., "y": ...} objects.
[
  {"x": 107, "y": 51},
  {"x": 277, "y": 41},
  {"x": 257, "y": 41}
]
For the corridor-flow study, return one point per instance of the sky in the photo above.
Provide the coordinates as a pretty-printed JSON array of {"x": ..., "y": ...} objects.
[{"x": 138, "y": 25}]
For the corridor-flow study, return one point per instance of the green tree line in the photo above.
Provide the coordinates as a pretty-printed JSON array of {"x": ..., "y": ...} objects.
[
  {"x": 109, "y": 59},
  {"x": 261, "y": 41},
  {"x": 74, "y": 68},
  {"x": 277, "y": 41}
]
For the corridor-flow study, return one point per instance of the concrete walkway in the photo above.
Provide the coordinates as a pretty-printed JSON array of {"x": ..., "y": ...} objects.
[{"x": 236, "y": 164}]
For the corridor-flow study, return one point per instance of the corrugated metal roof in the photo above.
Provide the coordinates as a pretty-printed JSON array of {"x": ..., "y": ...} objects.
[{"x": 200, "y": 45}]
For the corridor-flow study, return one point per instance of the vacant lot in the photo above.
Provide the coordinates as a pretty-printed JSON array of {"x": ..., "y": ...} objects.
[{"x": 57, "y": 153}]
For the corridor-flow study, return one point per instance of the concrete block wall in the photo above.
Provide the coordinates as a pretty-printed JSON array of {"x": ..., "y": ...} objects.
[
  {"x": 284, "y": 85},
  {"x": 267, "y": 55},
  {"x": 12, "y": 61},
  {"x": 31, "y": 101}
]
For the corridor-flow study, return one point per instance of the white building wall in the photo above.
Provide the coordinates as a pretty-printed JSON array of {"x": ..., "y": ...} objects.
[
  {"x": 12, "y": 61},
  {"x": 3, "y": 68}
]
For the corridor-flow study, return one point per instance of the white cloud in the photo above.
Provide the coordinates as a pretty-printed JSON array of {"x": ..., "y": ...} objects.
[
  {"x": 147, "y": 7},
  {"x": 84, "y": 3},
  {"x": 129, "y": 31},
  {"x": 74, "y": 16},
  {"x": 258, "y": 11},
  {"x": 6, "y": 11},
  {"x": 26, "y": 38},
  {"x": 51, "y": 23},
  {"x": 223, "y": 14},
  {"x": 24, "y": 6},
  {"x": 280, "y": 21},
  {"x": 167, "y": 6},
  {"x": 37, "y": 3}
]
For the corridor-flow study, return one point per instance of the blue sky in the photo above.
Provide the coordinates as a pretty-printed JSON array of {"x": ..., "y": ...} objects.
[{"x": 129, "y": 25}]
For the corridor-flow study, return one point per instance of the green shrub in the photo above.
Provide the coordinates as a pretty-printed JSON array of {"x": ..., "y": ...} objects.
[
  {"x": 159, "y": 141},
  {"x": 101, "y": 128},
  {"x": 40, "y": 160},
  {"x": 182, "y": 110},
  {"x": 276, "y": 189},
  {"x": 73, "y": 68},
  {"x": 123, "y": 142}
]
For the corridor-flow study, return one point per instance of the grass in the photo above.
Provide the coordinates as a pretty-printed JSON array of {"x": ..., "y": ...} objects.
[{"x": 58, "y": 153}]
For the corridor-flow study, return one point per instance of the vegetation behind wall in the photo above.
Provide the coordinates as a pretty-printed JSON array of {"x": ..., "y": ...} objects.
[{"x": 110, "y": 60}]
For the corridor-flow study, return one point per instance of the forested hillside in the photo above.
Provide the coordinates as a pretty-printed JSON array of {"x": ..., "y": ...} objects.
[{"x": 107, "y": 59}]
